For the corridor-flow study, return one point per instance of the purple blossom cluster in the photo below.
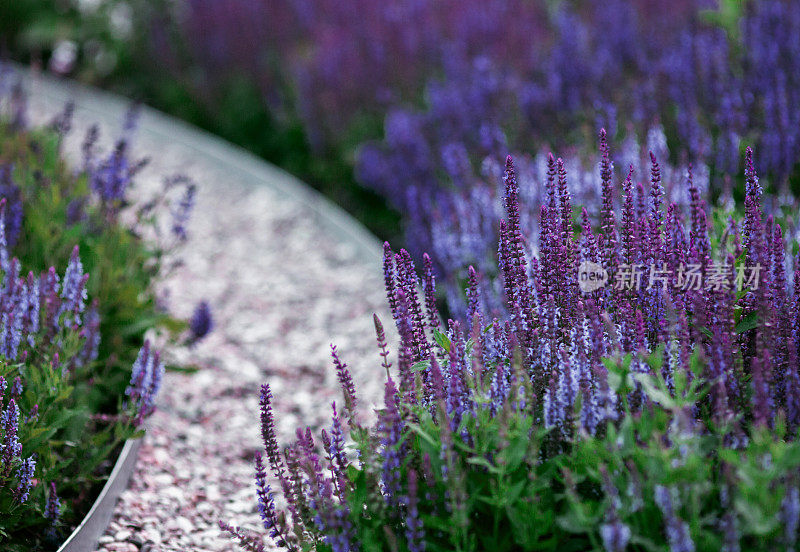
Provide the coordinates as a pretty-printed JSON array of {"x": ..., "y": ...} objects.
[
  {"x": 16, "y": 472},
  {"x": 573, "y": 361},
  {"x": 146, "y": 376},
  {"x": 109, "y": 177},
  {"x": 13, "y": 197},
  {"x": 564, "y": 332},
  {"x": 35, "y": 311},
  {"x": 332, "y": 72},
  {"x": 47, "y": 302},
  {"x": 52, "y": 509},
  {"x": 689, "y": 81},
  {"x": 50, "y": 333},
  {"x": 202, "y": 322}
]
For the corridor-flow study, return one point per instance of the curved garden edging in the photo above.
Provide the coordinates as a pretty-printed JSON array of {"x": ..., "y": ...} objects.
[{"x": 85, "y": 536}]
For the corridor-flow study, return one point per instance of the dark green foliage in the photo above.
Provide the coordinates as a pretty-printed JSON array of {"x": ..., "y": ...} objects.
[{"x": 508, "y": 489}]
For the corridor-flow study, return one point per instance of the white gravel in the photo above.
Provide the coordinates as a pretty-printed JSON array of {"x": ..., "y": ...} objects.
[{"x": 282, "y": 287}]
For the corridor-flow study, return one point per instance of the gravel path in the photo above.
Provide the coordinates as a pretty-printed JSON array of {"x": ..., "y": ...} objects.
[{"x": 284, "y": 279}]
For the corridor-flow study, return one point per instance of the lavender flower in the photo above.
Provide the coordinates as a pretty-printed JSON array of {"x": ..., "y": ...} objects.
[
  {"x": 111, "y": 179},
  {"x": 271, "y": 447},
  {"x": 12, "y": 448},
  {"x": 615, "y": 536},
  {"x": 201, "y": 322},
  {"x": 25, "y": 477},
  {"x": 614, "y": 533},
  {"x": 415, "y": 533},
  {"x": 266, "y": 503},
  {"x": 52, "y": 509},
  {"x": 338, "y": 459},
  {"x": 556, "y": 354},
  {"x": 30, "y": 317},
  {"x": 16, "y": 388},
  {"x": 90, "y": 332},
  {"x": 677, "y": 530},
  {"x": 182, "y": 211},
  {"x": 73, "y": 291},
  {"x": 381, "y": 337},
  {"x": 346, "y": 382},
  {"x": 4, "y": 261},
  {"x": 145, "y": 382},
  {"x": 391, "y": 427},
  {"x": 790, "y": 515},
  {"x": 11, "y": 335},
  {"x": 12, "y": 207}
]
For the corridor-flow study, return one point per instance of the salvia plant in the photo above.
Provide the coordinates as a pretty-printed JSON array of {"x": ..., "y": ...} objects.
[
  {"x": 706, "y": 87},
  {"x": 125, "y": 248},
  {"x": 50, "y": 343},
  {"x": 78, "y": 262},
  {"x": 641, "y": 393}
]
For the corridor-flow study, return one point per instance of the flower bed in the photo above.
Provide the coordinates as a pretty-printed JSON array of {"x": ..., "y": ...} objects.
[
  {"x": 625, "y": 416},
  {"x": 77, "y": 375}
]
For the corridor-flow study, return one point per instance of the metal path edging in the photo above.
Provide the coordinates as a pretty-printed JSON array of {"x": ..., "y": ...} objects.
[{"x": 84, "y": 537}]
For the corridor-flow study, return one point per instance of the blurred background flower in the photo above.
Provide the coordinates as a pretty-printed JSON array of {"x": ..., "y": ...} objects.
[{"x": 401, "y": 111}]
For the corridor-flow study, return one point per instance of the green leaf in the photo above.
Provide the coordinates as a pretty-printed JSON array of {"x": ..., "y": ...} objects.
[
  {"x": 747, "y": 323},
  {"x": 442, "y": 339},
  {"x": 421, "y": 366}
]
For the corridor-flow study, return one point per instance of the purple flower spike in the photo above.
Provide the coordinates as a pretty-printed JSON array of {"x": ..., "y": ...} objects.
[
  {"x": 389, "y": 277},
  {"x": 30, "y": 320},
  {"x": 16, "y": 388},
  {"x": 25, "y": 477},
  {"x": 677, "y": 530},
  {"x": 266, "y": 503},
  {"x": 790, "y": 515},
  {"x": 146, "y": 377},
  {"x": 339, "y": 462},
  {"x": 614, "y": 533},
  {"x": 415, "y": 534},
  {"x": 90, "y": 332},
  {"x": 73, "y": 290},
  {"x": 4, "y": 260},
  {"x": 202, "y": 322},
  {"x": 381, "y": 336},
  {"x": 182, "y": 212},
  {"x": 52, "y": 509},
  {"x": 430, "y": 292},
  {"x": 473, "y": 300},
  {"x": 11, "y": 335},
  {"x": 456, "y": 370},
  {"x": 268, "y": 434},
  {"x": 608, "y": 242},
  {"x": 391, "y": 428},
  {"x": 12, "y": 448},
  {"x": 346, "y": 382}
]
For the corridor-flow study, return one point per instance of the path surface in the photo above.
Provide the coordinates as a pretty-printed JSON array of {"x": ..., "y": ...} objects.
[{"x": 285, "y": 276}]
